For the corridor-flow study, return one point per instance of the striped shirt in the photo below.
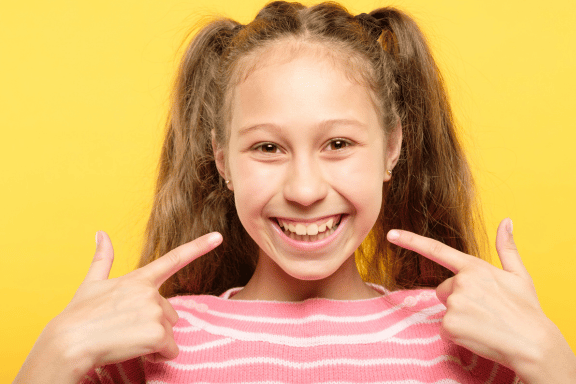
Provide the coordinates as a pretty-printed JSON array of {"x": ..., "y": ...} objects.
[{"x": 390, "y": 339}]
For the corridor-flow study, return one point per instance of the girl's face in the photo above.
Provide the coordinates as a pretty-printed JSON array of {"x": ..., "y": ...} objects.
[{"x": 306, "y": 160}]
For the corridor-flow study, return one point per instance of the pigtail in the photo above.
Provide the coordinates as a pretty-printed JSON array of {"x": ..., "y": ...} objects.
[
  {"x": 190, "y": 198},
  {"x": 432, "y": 191}
]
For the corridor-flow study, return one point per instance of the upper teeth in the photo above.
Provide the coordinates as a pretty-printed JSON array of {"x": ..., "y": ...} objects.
[{"x": 302, "y": 229}]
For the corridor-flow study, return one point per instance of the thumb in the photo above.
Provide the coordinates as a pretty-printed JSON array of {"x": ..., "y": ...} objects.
[
  {"x": 103, "y": 258},
  {"x": 506, "y": 248}
]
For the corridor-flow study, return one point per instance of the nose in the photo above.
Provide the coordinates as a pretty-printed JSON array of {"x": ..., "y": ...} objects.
[{"x": 305, "y": 183}]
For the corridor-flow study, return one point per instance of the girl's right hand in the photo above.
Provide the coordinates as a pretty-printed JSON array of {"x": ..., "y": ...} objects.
[{"x": 112, "y": 320}]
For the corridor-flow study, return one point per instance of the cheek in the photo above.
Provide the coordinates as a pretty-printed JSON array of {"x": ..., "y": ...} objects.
[
  {"x": 362, "y": 173},
  {"x": 253, "y": 187},
  {"x": 360, "y": 181}
]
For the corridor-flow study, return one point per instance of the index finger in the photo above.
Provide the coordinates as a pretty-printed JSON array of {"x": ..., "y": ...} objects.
[
  {"x": 431, "y": 249},
  {"x": 162, "y": 268}
]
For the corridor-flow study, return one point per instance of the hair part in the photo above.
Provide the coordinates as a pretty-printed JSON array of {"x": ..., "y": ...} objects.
[{"x": 431, "y": 192}]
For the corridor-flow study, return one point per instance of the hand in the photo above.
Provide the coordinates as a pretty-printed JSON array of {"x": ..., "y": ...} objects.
[
  {"x": 113, "y": 320},
  {"x": 495, "y": 312}
]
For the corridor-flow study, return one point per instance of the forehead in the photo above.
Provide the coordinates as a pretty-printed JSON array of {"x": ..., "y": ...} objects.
[
  {"x": 300, "y": 94},
  {"x": 355, "y": 67},
  {"x": 334, "y": 57}
]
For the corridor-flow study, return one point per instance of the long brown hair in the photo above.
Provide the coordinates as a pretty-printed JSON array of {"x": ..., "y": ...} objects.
[{"x": 431, "y": 191}]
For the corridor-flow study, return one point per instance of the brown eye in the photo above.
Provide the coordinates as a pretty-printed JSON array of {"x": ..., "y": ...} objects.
[
  {"x": 267, "y": 148},
  {"x": 337, "y": 144}
]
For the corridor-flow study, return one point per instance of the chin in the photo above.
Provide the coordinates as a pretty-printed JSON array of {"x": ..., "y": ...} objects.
[{"x": 314, "y": 270}]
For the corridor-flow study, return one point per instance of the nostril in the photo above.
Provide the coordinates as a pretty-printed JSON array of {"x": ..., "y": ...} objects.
[{"x": 305, "y": 195}]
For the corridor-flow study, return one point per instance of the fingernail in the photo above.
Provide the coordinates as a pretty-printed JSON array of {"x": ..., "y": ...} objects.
[
  {"x": 393, "y": 235},
  {"x": 509, "y": 226},
  {"x": 98, "y": 238}
]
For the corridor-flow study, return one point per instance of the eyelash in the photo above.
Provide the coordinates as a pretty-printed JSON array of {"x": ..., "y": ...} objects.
[{"x": 260, "y": 147}]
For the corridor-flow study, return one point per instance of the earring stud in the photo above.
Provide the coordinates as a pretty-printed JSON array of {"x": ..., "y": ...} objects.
[
  {"x": 226, "y": 181},
  {"x": 389, "y": 172}
]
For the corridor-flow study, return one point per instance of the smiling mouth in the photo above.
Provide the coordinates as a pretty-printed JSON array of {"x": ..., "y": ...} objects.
[{"x": 309, "y": 232}]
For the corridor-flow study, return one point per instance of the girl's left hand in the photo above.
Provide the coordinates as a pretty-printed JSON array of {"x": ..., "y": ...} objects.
[{"x": 495, "y": 313}]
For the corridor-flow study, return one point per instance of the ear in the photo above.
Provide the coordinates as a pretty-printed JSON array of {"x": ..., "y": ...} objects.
[
  {"x": 393, "y": 147},
  {"x": 220, "y": 159}
]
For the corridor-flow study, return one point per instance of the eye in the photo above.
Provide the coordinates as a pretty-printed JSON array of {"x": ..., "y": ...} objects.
[
  {"x": 338, "y": 144},
  {"x": 267, "y": 148}
]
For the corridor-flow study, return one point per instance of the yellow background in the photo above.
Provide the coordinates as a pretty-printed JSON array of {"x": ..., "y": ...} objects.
[{"x": 83, "y": 97}]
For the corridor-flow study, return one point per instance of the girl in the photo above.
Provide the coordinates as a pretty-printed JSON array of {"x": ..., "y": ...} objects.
[{"x": 298, "y": 140}]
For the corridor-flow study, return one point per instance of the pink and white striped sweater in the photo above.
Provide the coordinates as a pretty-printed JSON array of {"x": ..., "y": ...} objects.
[{"x": 389, "y": 339}]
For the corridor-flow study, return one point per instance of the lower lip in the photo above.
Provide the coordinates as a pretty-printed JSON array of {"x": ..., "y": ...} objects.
[{"x": 309, "y": 246}]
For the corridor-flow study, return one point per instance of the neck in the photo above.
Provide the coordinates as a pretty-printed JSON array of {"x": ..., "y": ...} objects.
[{"x": 270, "y": 282}]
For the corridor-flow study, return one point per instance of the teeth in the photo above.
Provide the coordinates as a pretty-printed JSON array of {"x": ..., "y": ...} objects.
[
  {"x": 300, "y": 229},
  {"x": 311, "y": 230},
  {"x": 329, "y": 223}
]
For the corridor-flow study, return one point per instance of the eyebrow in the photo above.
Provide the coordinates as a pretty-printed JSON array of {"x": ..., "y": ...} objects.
[
  {"x": 250, "y": 128},
  {"x": 324, "y": 124}
]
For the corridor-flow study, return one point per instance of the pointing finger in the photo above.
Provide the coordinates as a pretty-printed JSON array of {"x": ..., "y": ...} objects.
[
  {"x": 103, "y": 258},
  {"x": 507, "y": 251},
  {"x": 161, "y": 269},
  {"x": 434, "y": 250}
]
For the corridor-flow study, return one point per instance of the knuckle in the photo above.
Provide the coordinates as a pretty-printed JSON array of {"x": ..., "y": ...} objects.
[
  {"x": 102, "y": 255},
  {"x": 450, "y": 302},
  {"x": 461, "y": 281},
  {"x": 196, "y": 246},
  {"x": 156, "y": 313},
  {"x": 436, "y": 248},
  {"x": 156, "y": 334},
  {"x": 173, "y": 257},
  {"x": 151, "y": 293},
  {"x": 148, "y": 294},
  {"x": 450, "y": 325},
  {"x": 454, "y": 302}
]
